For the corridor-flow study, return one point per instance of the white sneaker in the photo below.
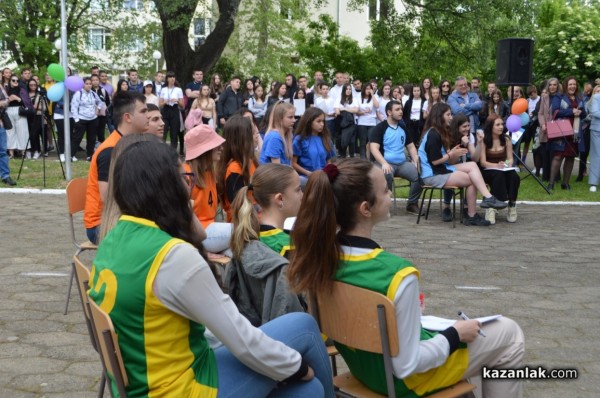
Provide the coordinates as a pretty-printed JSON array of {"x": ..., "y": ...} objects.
[
  {"x": 512, "y": 214},
  {"x": 73, "y": 159},
  {"x": 36, "y": 155},
  {"x": 28, "y": 155},
  {"x": 490, "y": 215},
  {"x": 593, "y": 188},
  {"x": 62, "y": 157}
]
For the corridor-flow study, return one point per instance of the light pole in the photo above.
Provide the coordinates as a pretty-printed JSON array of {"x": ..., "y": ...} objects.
[{"x": 156, "y": 55}]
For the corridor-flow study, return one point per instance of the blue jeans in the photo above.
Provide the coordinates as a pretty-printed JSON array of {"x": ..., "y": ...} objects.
[
  {"x": 298, "y": 331},
  {"x": 4, "y": 169},
  {"x": 92, "y": 234}
]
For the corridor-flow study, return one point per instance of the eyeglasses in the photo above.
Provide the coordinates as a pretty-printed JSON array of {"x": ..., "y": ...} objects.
[
  {"x": 14, "y": 80},
  {"x": 189, "y": 178},
  {"x": 445, "y": 85}
]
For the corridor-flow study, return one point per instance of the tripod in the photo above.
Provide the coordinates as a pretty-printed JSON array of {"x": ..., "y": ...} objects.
[{"x": 51, "y": 129}]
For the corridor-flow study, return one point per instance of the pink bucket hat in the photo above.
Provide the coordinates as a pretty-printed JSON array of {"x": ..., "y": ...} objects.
[{"x": 201, "y": 139}]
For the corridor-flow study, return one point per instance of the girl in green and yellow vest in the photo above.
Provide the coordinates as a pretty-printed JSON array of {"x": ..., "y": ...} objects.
[
  {"x": 151, "y": 277},
  {"x": 332, "y": 241}
]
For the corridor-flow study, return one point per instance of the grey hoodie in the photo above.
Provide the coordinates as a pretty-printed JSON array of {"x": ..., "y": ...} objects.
[{"x": 258, "y": 284}]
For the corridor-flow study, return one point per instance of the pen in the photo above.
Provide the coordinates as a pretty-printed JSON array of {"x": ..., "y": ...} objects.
[{"x": 464, "y": 317}]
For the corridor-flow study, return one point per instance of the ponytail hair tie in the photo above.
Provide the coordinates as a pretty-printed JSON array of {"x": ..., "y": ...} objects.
[
  {"x": 250, "y": 187},
  {"x": 332, "y": 172}
]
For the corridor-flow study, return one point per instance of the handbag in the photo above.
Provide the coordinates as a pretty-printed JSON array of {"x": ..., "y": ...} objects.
[
  {"x": 26, "y": 111},
  {"x": 559, "y": 128},
  {"x": 347, "y": 119},
  {"x": 5, "y": 120}
]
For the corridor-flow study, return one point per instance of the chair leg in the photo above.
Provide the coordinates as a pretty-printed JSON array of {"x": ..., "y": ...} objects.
[
  {"x": 334, "y": 366},
  {"x": 454, "y": 209},
  {"x": 429, "y": 203},
  {"x": 422, "y": 203},
  {"x": 102, "y": 385},
  {"x": 69, "y": 289}
]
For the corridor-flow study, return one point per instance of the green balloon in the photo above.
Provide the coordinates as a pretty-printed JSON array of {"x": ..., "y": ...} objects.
[{"x": 56, "y": 72}]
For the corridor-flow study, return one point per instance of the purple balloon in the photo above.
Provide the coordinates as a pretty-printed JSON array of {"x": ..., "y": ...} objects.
[
  {"x": 74, "y": 83},
  {"x": 513, "y": 123}
]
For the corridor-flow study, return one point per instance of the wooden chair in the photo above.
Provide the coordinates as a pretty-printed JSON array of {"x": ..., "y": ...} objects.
[
  {"x": 368, "y": 324},
  {"x": 456, "y": 191},
  {"x": 76, "y": 190},
  {"x": 82, "y": 276},
  {"x": 110, "y": 352}
]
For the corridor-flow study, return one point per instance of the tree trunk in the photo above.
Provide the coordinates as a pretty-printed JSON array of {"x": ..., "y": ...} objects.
[{"x": 180, "y": 57}]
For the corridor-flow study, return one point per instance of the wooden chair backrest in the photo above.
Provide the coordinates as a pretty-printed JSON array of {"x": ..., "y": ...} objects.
[
  {"x": 102, "y": 323},
  {"x": 348, "y": 315},
  {"x": 76, "y": 191},
  {"x": 83, "y": 276}
]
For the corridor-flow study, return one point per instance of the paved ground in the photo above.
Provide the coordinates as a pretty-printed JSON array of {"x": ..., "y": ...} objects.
[{"x": 549, "y": 284}]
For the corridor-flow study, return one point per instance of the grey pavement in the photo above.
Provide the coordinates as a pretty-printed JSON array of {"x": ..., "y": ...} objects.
[{"x": 542, "y": 271}]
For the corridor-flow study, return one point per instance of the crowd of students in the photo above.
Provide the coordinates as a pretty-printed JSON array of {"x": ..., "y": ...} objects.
[{"x": 153, "y": 209}]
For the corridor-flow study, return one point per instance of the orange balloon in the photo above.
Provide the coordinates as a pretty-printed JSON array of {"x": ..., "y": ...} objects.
[{"x": 519, "y": 106}]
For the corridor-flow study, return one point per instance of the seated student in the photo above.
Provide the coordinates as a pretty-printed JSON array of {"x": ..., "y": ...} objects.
[
  {"x": 352, "y": 197},
  {"x": 203, "y": 148},
  {"x": 460, "y": 127},
  {"x": 439, "y": 167},
  {"x": 276, "y": 189},
  {"x": 389, "y": 142},
  {"x": 151, "y": 277},
  {"x": 238, "y": 162},
  {"x": 313, "y": 147},
  {"x": 277, "y": 145},
  {"x": 256, "y": 279},
  {"x": 496, "y": 156}
]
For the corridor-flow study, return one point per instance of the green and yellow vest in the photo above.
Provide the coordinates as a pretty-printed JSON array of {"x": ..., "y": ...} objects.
[
  {"x": 383, "y": 272},
  {"x": 276, "y": 239},
  {"x": 164, "y": 353}
]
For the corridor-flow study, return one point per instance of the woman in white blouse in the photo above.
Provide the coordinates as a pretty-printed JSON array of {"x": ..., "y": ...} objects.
[{"x": 171, "y": 103}]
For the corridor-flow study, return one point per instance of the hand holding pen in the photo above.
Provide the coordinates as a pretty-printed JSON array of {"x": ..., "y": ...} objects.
[{"x": 464, "y": 317}]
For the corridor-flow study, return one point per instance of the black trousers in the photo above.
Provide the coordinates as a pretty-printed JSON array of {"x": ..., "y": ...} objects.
[
  {"x": 60, "y": 132},
  {"x": 35, "y": 133},
  {"x": 90, "y": 128},
  {"x": 504, "y": 185},
  {"x": 172, "y": 119}
]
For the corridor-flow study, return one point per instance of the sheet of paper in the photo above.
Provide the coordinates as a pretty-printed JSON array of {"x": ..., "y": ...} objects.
[
  {"x": 436, "y": 323},
  {"x": 504, "y": 169},
  {"x": 300, "y": 105}
]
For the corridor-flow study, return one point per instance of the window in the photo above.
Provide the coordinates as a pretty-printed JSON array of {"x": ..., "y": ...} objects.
[
  {"x": 202, "y": 28},
  {"x": 99, "y": 39},
  {"x": 134, "y": 45},
  {"x": 379, "y": 9},
  {"x": 133, "y": 4}
]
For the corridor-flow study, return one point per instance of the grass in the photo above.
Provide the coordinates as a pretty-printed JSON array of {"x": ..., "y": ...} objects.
[
  {"x": 32, "y": 173},
  {"x": 32, "y": 177}
]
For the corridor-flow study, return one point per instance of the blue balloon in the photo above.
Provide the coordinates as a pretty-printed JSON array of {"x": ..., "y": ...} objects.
[
  {"x": 56, "y": 92},
  {"x": 524, "y": 118}
]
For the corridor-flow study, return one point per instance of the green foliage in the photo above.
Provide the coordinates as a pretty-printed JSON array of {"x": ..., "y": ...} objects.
[
  {"x": 321, "y": 47},
  {"x": 568, "y": 41}
]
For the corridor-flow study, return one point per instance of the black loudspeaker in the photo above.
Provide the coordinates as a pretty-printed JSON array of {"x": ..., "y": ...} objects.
[{"x": 514, "y": 61}]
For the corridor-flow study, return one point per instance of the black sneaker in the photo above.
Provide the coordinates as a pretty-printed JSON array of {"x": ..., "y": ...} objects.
[
  {"x": 476, "y": 220},
  {"x": 413, "y": 208},
  {"x": 447, "y": 215},
  {"x": 493, "y": 203},
  {"x": 9, "y": 181}
]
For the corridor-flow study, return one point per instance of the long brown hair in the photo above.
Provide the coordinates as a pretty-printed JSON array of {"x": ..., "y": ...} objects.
[
  {"x": 238, "y": 147},
  {"x": 436, "y": 121},
  {"x": 267, "y": 181},
  {"x": 325, "y": 206},
  {"x": 202, "y": 165},
  {"x": 305, "y": 127}
]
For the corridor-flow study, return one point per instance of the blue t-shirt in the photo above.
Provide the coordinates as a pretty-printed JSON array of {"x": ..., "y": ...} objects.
[
  {"x": 311, "y": 152},
  {"x": 394, "y": 141},
  {"x": 430, "y": 150},
  {"x": 273, "y": 147}
]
